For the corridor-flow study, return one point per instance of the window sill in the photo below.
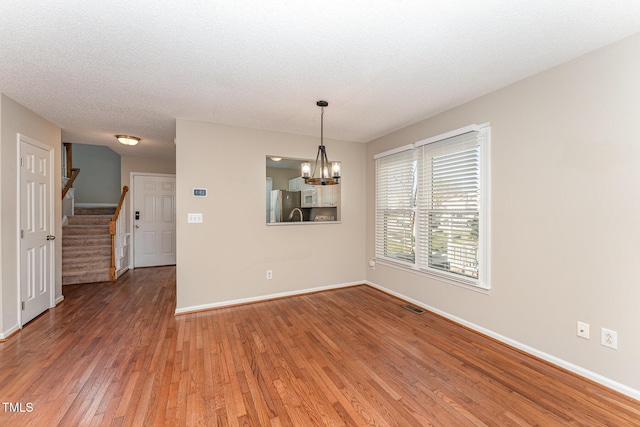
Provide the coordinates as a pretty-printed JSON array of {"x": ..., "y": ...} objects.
[
  {"x": 442, "y": 277},
  {"x": 277, "y": 224}
]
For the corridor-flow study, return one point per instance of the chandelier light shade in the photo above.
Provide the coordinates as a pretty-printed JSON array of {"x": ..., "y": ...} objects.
[
  {"x": 329, "y": 173},
  {"x": 128, "y": 140}
]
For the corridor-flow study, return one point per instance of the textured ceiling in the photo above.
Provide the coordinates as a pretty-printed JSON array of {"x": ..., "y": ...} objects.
[{"x": 99, "y": 68}]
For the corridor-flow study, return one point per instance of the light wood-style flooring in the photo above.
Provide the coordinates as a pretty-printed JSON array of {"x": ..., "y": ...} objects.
[{"x": 114, "y": 354}]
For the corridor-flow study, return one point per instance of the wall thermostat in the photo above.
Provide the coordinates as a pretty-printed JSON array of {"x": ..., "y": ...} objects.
[{"x": 199, "y": 192}]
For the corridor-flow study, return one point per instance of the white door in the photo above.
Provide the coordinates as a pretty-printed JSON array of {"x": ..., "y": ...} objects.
[
  {"x": 154, "y": 220},
  {"x": 36, "y": 229}
]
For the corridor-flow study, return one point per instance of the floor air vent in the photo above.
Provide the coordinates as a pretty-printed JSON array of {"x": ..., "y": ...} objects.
[{"x": 416, "y": 310}]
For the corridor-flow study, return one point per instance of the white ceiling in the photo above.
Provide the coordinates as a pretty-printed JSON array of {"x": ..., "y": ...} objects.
[{"x": 99, "y": 68}]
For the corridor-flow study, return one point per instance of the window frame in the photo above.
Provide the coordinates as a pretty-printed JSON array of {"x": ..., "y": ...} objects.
[{"x": 482, "y": 282}]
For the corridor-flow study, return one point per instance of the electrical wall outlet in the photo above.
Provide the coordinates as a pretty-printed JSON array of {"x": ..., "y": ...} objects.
[
  {"x": 609, "y": 338},
  {"x": 269, "y": 274},
  {"x": 582, "y": 330}
]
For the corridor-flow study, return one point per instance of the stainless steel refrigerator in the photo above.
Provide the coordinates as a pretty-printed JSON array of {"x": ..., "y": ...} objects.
[{"x": 282, "y": 203}]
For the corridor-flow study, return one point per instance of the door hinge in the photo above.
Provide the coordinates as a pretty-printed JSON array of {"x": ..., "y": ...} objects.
[
  {"x": 22, "y": 234},
  {"x": 21, "y": 161},
  {"x": 22, "y": 305}
]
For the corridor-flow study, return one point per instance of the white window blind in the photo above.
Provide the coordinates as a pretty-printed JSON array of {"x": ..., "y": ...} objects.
[
  {"x": 449, "y": 205},
  {"x": 396, "y": 206},
  {"x": 432, "y": 206}
]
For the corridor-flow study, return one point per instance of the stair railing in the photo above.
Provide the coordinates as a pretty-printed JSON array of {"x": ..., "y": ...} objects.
[
  {"x": 74, "y": 175},
  {"x": 117, "y": 227},
  {"x": 70, "y": 172}
]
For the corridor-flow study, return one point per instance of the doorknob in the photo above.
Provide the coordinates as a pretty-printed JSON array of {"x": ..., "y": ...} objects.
[
  {"x": 50, "y": 237},
  {"x": 137, "y": 226}
]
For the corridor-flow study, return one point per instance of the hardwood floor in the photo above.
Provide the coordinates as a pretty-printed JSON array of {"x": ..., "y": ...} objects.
[{"x": 115, "y": 354}]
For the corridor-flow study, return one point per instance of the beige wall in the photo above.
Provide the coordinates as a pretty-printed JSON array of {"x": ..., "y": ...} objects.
[
  {"x": 130, "y": 164},
  {"x": 565, "y": 212},
  {"x": 281, "y": 177},
  {"x": 226, "y": 257},
  {"x": 14, "y": 119}
]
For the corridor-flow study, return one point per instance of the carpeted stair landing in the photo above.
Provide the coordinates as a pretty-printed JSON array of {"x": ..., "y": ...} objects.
[{"x": 86, "y": 246}]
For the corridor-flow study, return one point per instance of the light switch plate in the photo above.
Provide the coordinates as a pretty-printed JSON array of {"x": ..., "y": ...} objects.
[{"x": 194, "y": 218}]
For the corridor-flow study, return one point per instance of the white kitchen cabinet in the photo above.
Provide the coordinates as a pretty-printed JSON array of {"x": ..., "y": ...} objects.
[
  {"x": 297, "y": 184},
  {"x": 328, "y": 196},
  {"x": 316, "y": 196}
]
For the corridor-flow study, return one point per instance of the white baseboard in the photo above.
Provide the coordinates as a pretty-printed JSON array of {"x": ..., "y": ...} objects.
[
  {"x": 6, "y": 334},
  {"x": 229, "y": 303},
  {"x": 609, "y": 383},
  {"x": 122, "y": 271}
]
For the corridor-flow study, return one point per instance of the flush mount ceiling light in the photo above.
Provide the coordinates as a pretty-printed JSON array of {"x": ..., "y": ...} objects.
[
  {"x": 326, "y": 177},
  {"x": 128, "y": 140}
]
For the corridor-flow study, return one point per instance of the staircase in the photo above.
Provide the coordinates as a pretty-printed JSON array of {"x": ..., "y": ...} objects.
[{"x": 86, "y": 246}]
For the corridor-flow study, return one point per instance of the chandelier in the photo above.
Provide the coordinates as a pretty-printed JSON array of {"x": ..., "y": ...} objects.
[{"x": 329, "y": 172}]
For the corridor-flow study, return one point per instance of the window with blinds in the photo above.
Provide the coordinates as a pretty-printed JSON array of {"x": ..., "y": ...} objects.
[
  {"x": 432, "y": 205},
  {"x": 396, "y": 181},
  {"x": 449, "y": 205}
]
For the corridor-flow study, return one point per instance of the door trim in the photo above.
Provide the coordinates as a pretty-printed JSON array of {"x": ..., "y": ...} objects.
[
  {"x": 132, "y": 190},
  {"x": 52, "y": 253}
]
